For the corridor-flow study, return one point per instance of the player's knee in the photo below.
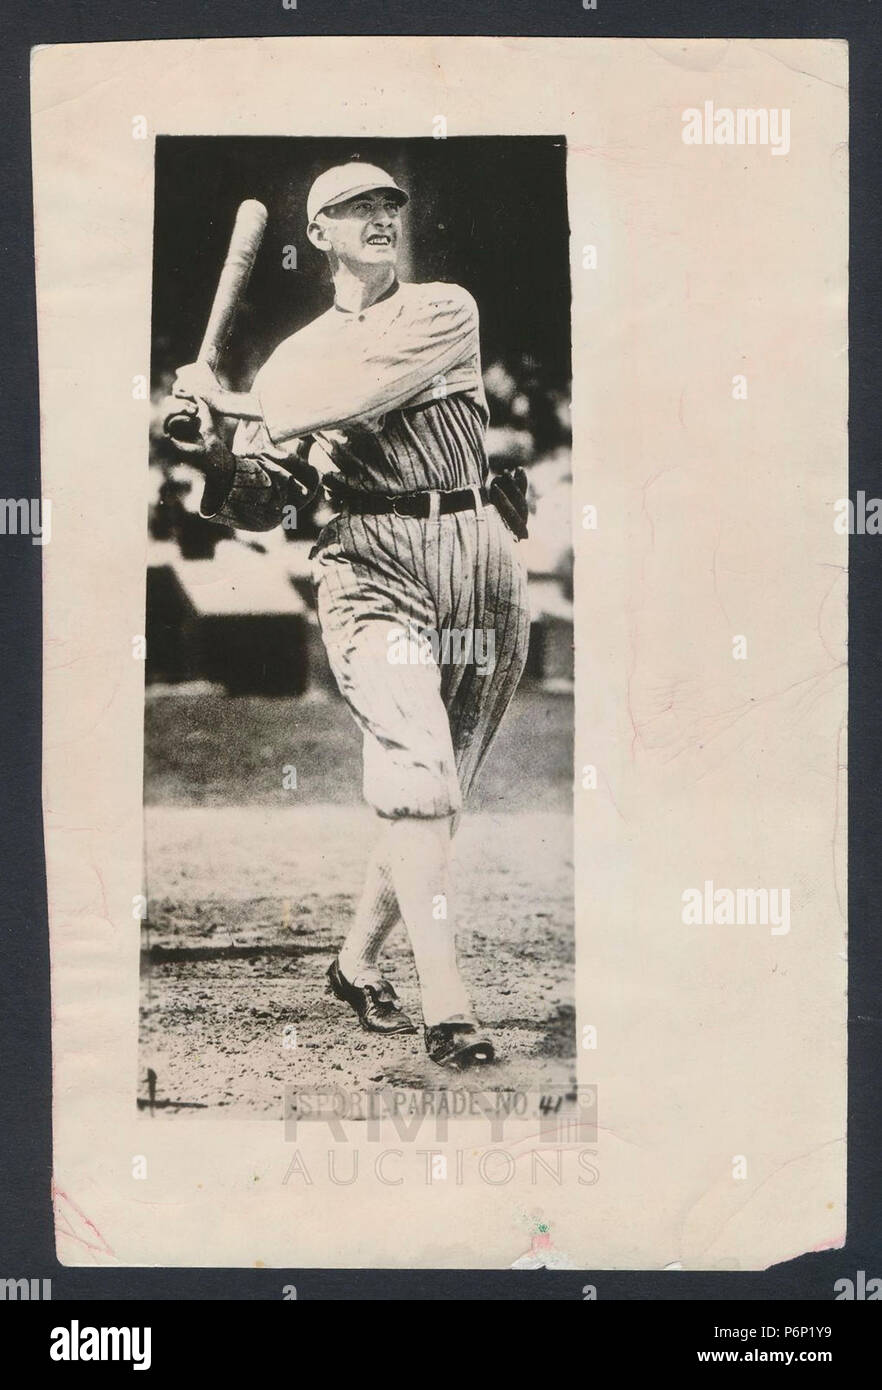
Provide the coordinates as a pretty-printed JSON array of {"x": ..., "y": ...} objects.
[{"x": 397, "y": 788}]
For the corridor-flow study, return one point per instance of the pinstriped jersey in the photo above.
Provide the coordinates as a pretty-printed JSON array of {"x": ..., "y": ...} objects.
[
  {"x": 392, "y": 394},
  {"x": 438, "y": 445}
]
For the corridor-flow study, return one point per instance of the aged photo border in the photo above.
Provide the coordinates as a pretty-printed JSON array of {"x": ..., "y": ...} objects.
[{"x": 26, "y": 1025}]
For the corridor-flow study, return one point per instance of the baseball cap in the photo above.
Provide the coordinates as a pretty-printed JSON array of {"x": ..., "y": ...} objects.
[{"x": 347, "y": 181}]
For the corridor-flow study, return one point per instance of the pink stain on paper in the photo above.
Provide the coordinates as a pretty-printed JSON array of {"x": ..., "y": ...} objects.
[{"x": 72, "y": 1222}]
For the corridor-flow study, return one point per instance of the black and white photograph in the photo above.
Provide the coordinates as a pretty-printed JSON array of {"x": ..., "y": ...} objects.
[
  {"x": 358, "y": 725},
  {"x": 445, "y": 651}
]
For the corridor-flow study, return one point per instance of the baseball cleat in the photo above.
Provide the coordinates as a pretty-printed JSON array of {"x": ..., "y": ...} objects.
[
  {"x": 458, "y": 1046},
  {"x": 377, "y": 1006}
]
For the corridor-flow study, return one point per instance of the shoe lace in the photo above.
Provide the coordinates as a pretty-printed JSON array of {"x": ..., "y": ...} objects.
[{"x": 383, "y": 994}]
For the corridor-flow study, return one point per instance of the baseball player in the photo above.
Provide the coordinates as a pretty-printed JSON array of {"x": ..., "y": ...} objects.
[{"x": 387, "y": 385}]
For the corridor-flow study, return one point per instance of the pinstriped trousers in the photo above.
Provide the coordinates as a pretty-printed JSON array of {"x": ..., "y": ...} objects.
[{"x": 427, "y": 724}]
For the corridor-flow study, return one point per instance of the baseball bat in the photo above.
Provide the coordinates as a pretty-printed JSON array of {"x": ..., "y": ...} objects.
[{"x": 244, "y": 245}]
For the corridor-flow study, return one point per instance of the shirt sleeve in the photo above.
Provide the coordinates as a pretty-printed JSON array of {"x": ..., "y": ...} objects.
[{"x": 364, "y": 368}]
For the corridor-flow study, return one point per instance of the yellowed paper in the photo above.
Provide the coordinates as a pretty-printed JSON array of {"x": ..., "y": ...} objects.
[{"x": 709, "y": 314}]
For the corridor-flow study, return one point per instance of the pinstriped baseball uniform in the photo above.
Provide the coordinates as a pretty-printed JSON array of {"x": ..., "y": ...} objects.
[{"x": 394, "y": 396}]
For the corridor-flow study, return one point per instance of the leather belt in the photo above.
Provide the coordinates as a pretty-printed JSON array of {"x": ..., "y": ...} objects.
[{"x": 417, "y": 504}]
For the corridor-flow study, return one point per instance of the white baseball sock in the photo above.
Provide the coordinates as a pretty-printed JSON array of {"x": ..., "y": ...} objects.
[
  {"x": 376, "y": 915},
  {"x": 419, "y": 860}
]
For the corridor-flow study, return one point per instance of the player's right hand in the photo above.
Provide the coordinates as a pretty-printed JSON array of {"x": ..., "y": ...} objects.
[{"x": 196, "y": 380}]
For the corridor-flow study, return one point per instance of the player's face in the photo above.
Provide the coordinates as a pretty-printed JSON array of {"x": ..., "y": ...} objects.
[{"x": 364, "y": 231}]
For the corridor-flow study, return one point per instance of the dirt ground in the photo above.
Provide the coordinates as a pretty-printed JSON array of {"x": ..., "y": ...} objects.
[{"x": 249, "y": 902}]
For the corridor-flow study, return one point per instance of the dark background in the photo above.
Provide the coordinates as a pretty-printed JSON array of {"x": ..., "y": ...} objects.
[
  {"x": 488, "y": 213},
  {"x": 26, "y": 1239}
]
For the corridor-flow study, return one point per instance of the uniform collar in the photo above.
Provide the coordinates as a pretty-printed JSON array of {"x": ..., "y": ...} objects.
[{"x": 387, "y": 294}]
